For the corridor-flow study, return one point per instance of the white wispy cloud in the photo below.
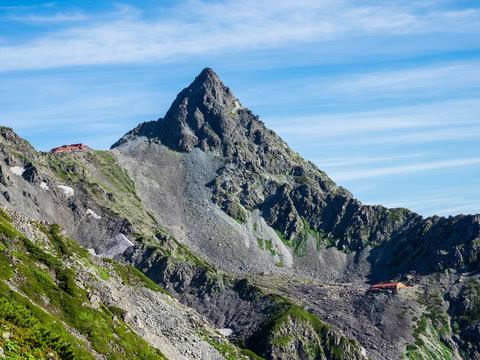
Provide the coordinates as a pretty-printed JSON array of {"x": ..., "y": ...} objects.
[
  {"x": 453, "y": 133},
  {"x": 355, "y": 160},
  {"x": 337, "y": 125},
  {"x": 428, "y": 201},
  {"x": 55, "y": 18},
  {"x": 429, "y": 79},
  {"x": 201, "y": 27},
  {"x": 459, "y": 209},
  {"x": 403, "y": 169},
  {"x": 432, "y": 81},
  {"x": 444, "y": 203},
  {"x": 438, "y": 119},
  {"x": 27, "y": 7}
]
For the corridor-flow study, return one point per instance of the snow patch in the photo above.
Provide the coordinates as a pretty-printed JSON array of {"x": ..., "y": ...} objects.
[
  {"x": 117, "y": 246},
  {"x": 225, "y": 332},
  {"x": 44, "y": 185},
  {"x": 67, "y": 190},
  {"x": 93, "y": 214},
  {"x": 17, "y": 170},
  {"x": 92, "y": 251}
]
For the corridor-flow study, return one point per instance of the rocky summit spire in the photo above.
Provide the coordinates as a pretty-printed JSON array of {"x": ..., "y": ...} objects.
[
  {"x": 205, "y": 114},
  {"x": 206, "y": 79}
]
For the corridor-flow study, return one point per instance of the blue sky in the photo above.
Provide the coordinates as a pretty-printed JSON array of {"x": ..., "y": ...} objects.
[{"x": 383, "y": 95}]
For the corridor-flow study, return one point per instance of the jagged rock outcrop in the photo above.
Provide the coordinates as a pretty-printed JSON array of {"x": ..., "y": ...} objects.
[
  {"x": 31, "y": 173},
  {"x": 431, "y": 245},
  {"x": 465, "y": 311}
]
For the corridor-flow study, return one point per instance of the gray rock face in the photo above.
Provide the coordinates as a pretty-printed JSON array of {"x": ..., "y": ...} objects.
[
  {"x": 205, "y": 115},
  {"x": 31, "y": 173}
]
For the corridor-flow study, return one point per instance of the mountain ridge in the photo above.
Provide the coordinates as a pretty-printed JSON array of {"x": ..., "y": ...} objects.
[
  {"x": 237, "y": 226},
  {"x": 206, "y": 105}
]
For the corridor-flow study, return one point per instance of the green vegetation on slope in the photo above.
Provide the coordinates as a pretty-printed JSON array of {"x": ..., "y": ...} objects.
[
  {"x": 291, "y": 330},
  {"x": 430, "y": 330},
  {"x": 99, "y": 174},
  {"x": 229, "y": 351},
  {"x": 267, "y": 244},
  {"x": 46, "y": 280},
  {"x": 299, "y": 243},
  {"x": 28, "y": 332},
  {"x": 134, "y": 277}
]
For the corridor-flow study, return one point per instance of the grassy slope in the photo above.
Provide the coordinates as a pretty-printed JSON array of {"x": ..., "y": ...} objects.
[
  {"x": 291, "y": 330},
  {"x": 430, "y": 328},
  {"x": 99, "y": 175},
  {"x": 35, "y": 318}
]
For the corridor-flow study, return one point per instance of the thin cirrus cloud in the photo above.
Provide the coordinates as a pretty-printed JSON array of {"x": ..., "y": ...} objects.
[
  {"x": 461, "y": 209},
  {"x": 432, "y": 79},
  {"x": 403, "y": 169},
  {"x": 55, "y": 18},
  {"x": 454, "y": 117},
  {"x": 421, "y": 137},
  {"x": 195, "y": 28},
  {"x": 437, "y": 204},
  {"x": 365, "y": 160}
]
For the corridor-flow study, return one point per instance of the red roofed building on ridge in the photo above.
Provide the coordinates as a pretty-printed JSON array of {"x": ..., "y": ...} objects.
[
  {"x": 69, "y": 148},
  {"x": 387, "y": 287}
]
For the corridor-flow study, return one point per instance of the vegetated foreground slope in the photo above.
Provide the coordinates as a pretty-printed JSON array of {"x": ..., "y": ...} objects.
[
  {"x": 60, "y": 302},
  {"x": 221, "y": 213}
]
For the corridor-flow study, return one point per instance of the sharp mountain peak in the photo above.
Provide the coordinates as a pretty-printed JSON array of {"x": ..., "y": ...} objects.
[
  {"x": 206, "y": 78},
  {"x": 206, "y": 114}
]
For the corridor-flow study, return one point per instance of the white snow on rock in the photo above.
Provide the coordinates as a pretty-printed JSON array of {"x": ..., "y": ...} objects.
[
  {"x": 93, "y": 214},
  {"x": 92, "y": 251},
  {"x": 225, "y": 332},
  {"x": 44, "y": 185},
  {"x": 67, "y": 190},
  {"x": 117, "y": 246},
  {"x": 17, "y": 170}
]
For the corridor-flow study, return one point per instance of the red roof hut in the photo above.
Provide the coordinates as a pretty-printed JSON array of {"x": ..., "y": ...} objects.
[
  {"x": 387, "y": 287},
  {"x": 70, "y": 148}
]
